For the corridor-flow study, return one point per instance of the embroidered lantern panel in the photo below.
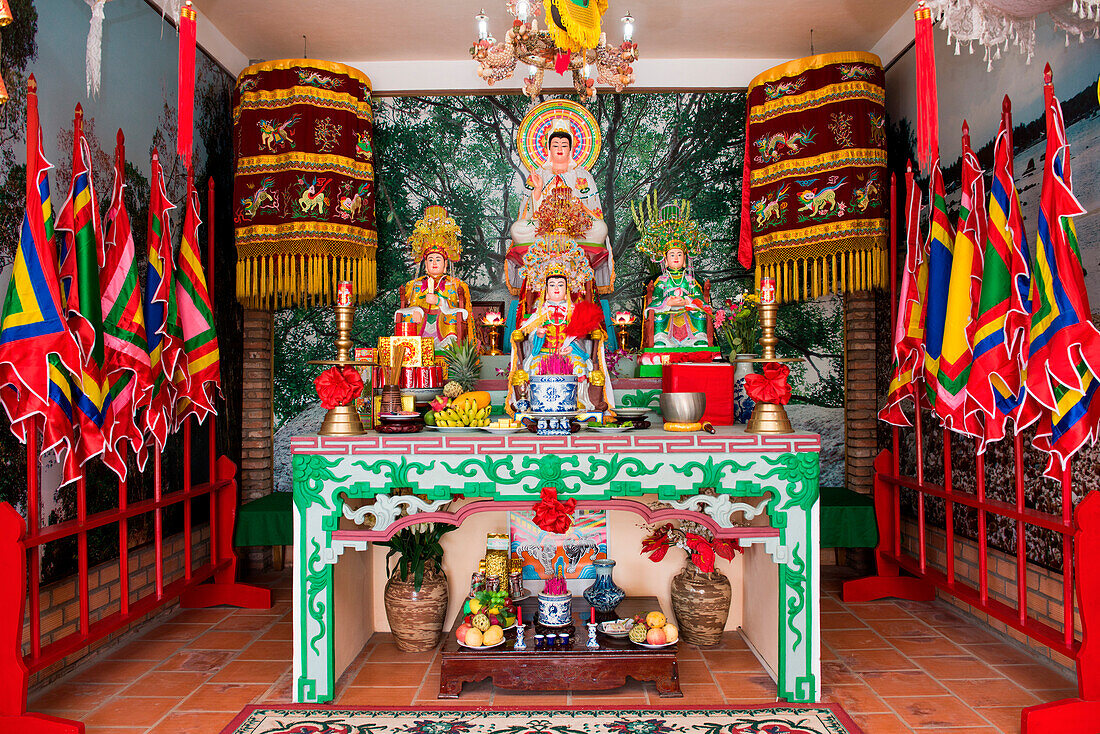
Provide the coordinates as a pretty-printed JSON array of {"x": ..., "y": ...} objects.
[
  {"x": 815, "y": 182},
  {"x": 303, "y": 183}
]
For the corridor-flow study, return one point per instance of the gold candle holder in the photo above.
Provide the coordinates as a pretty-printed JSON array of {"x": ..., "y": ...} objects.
[
  {"x": 620, "y": 333},
  {"x": 496, "y": 334},
  {"x": 343, "y": 420},
  {"x": 769, "y": 417}
]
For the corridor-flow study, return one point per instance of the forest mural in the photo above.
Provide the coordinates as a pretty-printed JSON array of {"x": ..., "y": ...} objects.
[
  {"x": 459, "y": 151},
  {"x": 138, "y": 94},
  {"x": 968, "y": 91}
]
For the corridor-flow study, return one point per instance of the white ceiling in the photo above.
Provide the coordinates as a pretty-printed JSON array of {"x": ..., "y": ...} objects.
[{"x": 430, "y": 30}]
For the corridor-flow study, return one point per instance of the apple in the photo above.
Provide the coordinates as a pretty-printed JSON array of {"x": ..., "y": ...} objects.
[
  {"x": 460, "y": 633},
  {"x": 656, "y": 636}
]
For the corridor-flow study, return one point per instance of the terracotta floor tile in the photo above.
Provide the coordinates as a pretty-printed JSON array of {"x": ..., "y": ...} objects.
[
  {"x": 731, "y": 660},
  {"x": 1057, "y": 694},
  {"x": 115, "y": 730},
  {"x": 279, "y": 631},
  {"x": 959, "y": 730},
  {"x": 991, "y": 693},
  {"x": 147, "y": 650},
  {"x": 864, "y": 661},
  {"x": 480, "y": 692},
  {"x": 75, "y": 698},
  {"x": 254, "y": 622},
  {"x": 961, "y": 667},
  {"x": 377, "y": 696},
  {"x": 203, "y": 661},
  {"x": 856, "y": 699},
  {"x": 738, "y": 686},
  {"x": 942, "y": 618},
  {"x": 697, "y": 694},
  {"x": 223, "y": 640},
  {"x": 861, "y": 639},
  {"x": 966, "y": 633},
  {"x": 1037, "y": 677},
  {"x": 691, "y": 652},
  {"x": 268, "y": 650},
  {"x": 829, "y": 604},
  {"x": 1000, "y": 653},
  {"x": 903, "y": 683},
  {"x": 923, "y": 647},
  {"x": 160, "y": 683},
  {"x": 175, "y": 632},
  {"x": 695, "y": 671},
  {"x": 251, "y": 671},
  {"x": 840, "y": 621},
  {"x": 911, "y": 627},
  {"x": 1005, "y": 718},
  {"x": 113, "y": 671},
  {"x": 827, "y": 653},
  {"x": 837, "y": 673},
  {"x": 391, "y": 674},
  {"x": 124, "y": 712},
  {"x": 211, "y": 616},
  {"x": 388, "y": 652},
  {"x": 881, "y": 724},
  {"x": 867, "y": 610},
  {"x": 935, "y": 711},
  {"x": 192, "y": 723},
  {"x": 223, "y": 697}
]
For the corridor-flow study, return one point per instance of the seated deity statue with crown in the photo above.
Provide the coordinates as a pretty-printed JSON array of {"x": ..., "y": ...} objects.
[
  {"x": 437, "y": 302},
  {"x": 558, "y": 142},
  {"x": 676, "y": 310},
  {"x": 563, "y": 325}
]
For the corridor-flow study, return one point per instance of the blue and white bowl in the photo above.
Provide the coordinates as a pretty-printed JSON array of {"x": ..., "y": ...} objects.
[
  {"x": 555, "y": 610},
  {"x": 553, "y": 393}
]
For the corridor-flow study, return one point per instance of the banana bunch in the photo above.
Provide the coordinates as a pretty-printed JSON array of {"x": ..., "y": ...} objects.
[{"x": 464, "y": 413}]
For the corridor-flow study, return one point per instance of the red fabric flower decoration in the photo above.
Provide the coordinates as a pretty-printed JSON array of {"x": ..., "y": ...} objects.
[
  {"x": 702, "y": 552},
  {"x": 336, "y": 386},
  {"x": 552, "y": 515},
  {"x": 770, "y": 387},
  {"x": 727, "y": 548},
  {"x": 657, "y": 545}
]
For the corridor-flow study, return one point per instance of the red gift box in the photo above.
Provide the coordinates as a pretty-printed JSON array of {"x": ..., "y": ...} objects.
[
  {"x": 411, "y": 377},
  {"x": 715, "y": 380}
]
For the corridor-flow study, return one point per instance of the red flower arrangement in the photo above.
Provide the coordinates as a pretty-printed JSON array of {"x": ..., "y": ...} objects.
[
  {"x": 338, "y": 386},
  {"x": 701, "y": 545}
]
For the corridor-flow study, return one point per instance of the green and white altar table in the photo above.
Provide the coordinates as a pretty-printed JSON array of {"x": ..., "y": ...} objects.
[{"x": 762, "y": 490}]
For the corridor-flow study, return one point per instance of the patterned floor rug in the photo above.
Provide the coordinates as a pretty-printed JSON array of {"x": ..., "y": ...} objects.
[{"x": 771, "y": 719}]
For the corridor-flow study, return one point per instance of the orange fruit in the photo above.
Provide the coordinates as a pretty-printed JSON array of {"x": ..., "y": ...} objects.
[{"x": 655, "y": 620}]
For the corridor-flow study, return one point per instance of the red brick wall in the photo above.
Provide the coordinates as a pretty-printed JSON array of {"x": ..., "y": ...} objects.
[
  {"x": 1044, "y": 587},
  {"x": 60, "y": 608},
  {"x": 257, "y": 420},
  {"x": 860, "y": 398}
]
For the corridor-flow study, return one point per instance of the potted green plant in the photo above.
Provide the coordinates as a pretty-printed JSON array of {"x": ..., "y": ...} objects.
[{"x": 416, "y": 592}]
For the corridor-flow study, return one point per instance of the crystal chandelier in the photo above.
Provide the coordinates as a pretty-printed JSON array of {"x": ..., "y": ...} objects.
[
  {"x": 525, "y": 43},
  {"x": 995, "y": 24}
]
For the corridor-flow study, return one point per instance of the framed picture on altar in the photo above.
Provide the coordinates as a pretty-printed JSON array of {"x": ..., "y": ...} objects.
[
  {"x": 570, "y": 553},
  {"x": 480, "y": 308}
]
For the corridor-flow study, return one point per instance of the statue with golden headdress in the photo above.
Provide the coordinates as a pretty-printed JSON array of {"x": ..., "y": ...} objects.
[
  {"x": 437, "y": 302},
  {"x": 558, "y": 143},
  {"x": 563, "y": 328},
  {"x": 676, "y": 309}
]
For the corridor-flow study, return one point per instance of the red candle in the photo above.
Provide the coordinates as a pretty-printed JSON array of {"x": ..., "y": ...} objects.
[
  {"x": 343, "y": 293},
  {"x": 519, "y": 614},
  {"x": 767, "y": 290},
  {"x": 592, "y": 616}
]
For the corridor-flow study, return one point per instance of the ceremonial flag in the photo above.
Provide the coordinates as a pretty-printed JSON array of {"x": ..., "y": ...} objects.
[
  {"x": 34, "y": 338},
  {"x": 909, "y": 328},
  {"x": 941, "y": 243},
  {"x": 80, "y": 248},
  {"x": 1065, "y": 346},
  {"x": 161, "y": 320},
  {"x": 126, "y": 361},
  {"x": 199, "y": 371},
  {"x": 957, "y": 411},
  {"x": 1002, "y": 337}
]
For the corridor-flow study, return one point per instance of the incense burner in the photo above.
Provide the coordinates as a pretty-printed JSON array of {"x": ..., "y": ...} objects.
[{"x": 555, "y": 610}]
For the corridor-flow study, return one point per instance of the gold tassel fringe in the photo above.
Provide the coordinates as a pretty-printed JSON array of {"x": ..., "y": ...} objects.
[
  {"x": 270, "y": 282},
  {"x": 809, "y": 278}
]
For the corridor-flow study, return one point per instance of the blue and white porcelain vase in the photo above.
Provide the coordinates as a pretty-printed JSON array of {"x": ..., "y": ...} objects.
[
  {"x": 742, "y": 403},
  {"x": 555, "y": 610},
  {"x": 603, "y": 594},
  {"x": 553, "y": 393}
]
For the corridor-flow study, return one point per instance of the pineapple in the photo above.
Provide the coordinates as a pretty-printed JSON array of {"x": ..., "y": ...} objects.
[{"x": 463, "y": 366}]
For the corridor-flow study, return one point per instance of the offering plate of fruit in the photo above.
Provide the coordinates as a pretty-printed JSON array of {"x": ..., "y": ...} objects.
[
  {"x": 487, "y": 615},
  {"x": 462, "y": 412},
  {"x": 653, "y": 631},
  {"x": 609, "y": 426}
]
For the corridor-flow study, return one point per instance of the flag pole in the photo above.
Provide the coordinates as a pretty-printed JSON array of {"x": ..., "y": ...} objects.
[{"x": 212, "y": 447}]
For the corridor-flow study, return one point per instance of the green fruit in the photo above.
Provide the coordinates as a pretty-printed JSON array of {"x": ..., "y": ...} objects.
[
  {"x": 429, "y": 418},
  {"x": 481, "y": 622},
  {"x": 637, "y": 633}
]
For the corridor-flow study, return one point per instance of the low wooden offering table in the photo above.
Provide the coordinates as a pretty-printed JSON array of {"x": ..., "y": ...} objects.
[{"x": 574, "y": 668}]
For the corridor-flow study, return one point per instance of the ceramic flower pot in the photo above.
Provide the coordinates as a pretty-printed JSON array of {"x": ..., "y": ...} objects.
[
  {"x": 553, "y": 393},
  {"x": 701, "y": 603},
  {"x": 742, "y": 403},
  {"x": 416, "y": 617}
]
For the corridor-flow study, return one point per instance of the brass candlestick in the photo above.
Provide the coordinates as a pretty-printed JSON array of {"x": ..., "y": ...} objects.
[
  {"x": 769, "y": 417},
  {"x": 620, "y": 332},
  {"x": 343, "y": 420},
  {"x": 496, "y": 333}
]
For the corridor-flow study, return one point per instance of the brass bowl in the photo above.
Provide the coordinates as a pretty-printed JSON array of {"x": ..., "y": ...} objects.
[{"x": 683, "y": 407}]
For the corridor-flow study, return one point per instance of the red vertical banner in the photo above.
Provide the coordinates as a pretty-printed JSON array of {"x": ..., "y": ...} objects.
[
  {"x": 928, "y": 109},
  {"x": 186, "y": 89}
]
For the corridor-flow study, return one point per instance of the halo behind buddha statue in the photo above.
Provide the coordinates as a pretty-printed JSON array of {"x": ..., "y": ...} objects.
[{"x": 533, "y": 133}]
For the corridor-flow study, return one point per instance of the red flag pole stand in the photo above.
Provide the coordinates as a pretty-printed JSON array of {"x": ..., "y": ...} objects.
[
  {"x": 14, "y": 717},
  {"x": 888, "y": 581},
  {"x": 225, "y": 588},
  {"x": 1071, "y": 714}
]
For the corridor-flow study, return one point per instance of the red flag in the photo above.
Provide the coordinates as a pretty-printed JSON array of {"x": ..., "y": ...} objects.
[{"x": 186, "y": 90}]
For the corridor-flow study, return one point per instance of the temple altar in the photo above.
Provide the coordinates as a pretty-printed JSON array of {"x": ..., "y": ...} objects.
[{"x": 760, "y": 489}]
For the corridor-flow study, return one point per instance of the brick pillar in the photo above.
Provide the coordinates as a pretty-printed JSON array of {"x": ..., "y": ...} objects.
[
  {"x": 860, "y": 399},
  {"x": 257, "y": 421}
]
